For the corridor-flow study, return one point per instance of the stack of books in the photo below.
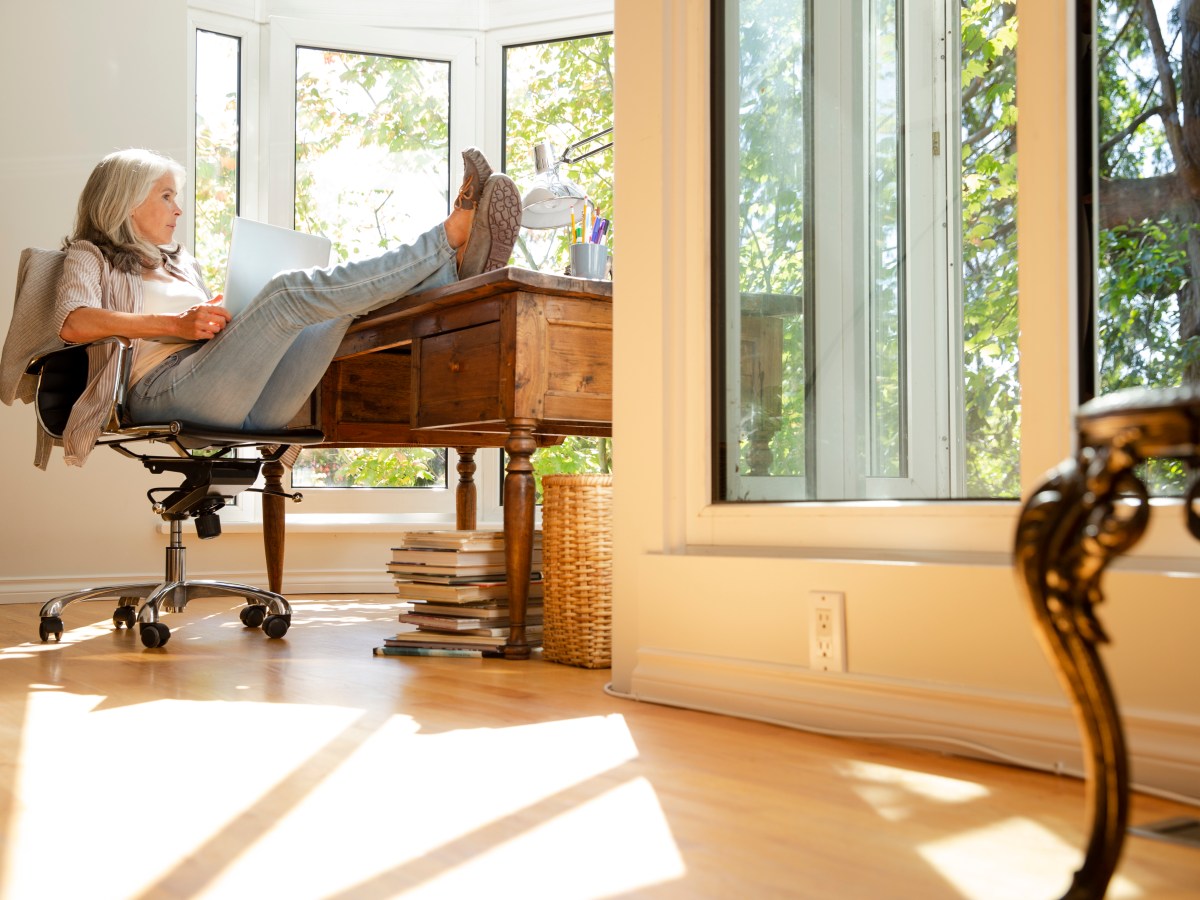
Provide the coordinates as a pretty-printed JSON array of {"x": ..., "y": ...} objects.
[{"x": 453, "y": 583}]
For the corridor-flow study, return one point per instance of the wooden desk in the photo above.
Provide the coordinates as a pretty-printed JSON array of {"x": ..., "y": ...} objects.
[{"x": 511, "y": 358}]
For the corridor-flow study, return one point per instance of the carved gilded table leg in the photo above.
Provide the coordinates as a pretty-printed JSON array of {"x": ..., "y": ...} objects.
[
  {"x": 519, "y": 511},
  {"x": 1087, "y": 512}
]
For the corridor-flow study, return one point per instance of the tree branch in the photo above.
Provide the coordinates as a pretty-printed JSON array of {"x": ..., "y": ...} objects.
[
  {"x": 1166, "y": 79},
  {"x": 1133, "y": 126},
  {"x": 1125, "y": 200}
]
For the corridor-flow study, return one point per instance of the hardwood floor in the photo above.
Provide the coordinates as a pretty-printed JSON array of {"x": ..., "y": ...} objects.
[{"x": 230, "y": 765}]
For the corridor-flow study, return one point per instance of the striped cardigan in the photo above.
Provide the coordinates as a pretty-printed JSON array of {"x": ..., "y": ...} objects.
[{"x": 87, "y": 279}]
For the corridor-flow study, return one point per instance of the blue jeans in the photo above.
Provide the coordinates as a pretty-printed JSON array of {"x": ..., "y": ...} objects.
[{"x": 261, "y": 368}]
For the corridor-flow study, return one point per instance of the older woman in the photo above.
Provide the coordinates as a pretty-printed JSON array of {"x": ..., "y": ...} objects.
[{"x": 126, "y": 275}]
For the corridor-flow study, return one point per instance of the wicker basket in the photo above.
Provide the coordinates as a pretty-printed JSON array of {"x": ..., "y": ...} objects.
[{"x": 577, "y": 570}]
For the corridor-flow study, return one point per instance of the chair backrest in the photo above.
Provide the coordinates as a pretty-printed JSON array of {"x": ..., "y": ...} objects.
[
  {"x": 61, "y": 381},
  {"x": 29, "y": 333}
]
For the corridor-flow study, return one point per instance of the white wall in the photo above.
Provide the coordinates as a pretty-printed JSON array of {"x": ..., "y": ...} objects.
[{"x": 710, "y": 601}]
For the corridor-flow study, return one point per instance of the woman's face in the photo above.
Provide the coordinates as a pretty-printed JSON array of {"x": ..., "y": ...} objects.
[{"x": 154, "y": 218}]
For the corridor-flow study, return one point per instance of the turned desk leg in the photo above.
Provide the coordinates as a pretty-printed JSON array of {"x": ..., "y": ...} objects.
[
  {"x": 519, "y": 510},
  {"x": 273, "y": 524},
  {"x": 465, "y": 503},
  {"x": 1070, "y": 529}
]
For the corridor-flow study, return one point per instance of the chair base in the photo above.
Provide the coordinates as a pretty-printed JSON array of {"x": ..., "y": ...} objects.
[{"x": 263, "y": 608}]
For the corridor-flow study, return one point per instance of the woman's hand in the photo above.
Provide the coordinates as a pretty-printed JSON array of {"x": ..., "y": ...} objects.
[
  {"x": 202, "y": 321},
  {"x": 199, "y": 323}
]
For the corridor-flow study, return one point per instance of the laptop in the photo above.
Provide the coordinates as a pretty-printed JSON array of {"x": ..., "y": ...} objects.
[{"x": 258, "y": 252}]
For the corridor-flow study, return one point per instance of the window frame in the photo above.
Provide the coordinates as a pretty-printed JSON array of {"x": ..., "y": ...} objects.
[
  {"x": 267, "y": 168},
  {"x": 839, "y": 353}
]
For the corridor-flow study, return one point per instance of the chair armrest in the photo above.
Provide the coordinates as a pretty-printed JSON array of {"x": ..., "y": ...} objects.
[{"x": 62, "y": 377}]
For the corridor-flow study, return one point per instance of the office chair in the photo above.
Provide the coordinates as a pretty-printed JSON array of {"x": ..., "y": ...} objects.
[{"x": 212, "y": 476}]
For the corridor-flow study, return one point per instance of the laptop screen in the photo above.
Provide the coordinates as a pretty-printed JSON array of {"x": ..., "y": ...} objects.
[{"x": 258, "y": 252}]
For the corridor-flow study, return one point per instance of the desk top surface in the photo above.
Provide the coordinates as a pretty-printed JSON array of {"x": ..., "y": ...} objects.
[
  {"x": 489, "y": 284},
  {"x": 388, "y": 321}
]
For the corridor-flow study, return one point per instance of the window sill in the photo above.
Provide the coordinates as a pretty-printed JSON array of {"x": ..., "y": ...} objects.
[{"x": 343, "y": 523}]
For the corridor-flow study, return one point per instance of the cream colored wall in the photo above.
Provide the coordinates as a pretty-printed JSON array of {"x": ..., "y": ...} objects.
[{"x": 710, "y": 602}]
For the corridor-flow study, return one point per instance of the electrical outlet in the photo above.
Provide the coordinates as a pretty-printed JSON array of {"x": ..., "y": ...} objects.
[{"x": 827, "y": 631}]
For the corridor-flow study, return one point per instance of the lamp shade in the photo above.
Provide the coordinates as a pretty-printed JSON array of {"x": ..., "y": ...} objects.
[
  {"x": 551, "y": 199},
  {"x": 550, "y": 202}
]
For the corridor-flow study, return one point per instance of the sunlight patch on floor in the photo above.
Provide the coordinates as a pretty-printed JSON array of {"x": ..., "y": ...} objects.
[
  {"x": 125, "y": 792},
  {"x": 608, "y": 846},
  {"x": 890, "y": 791},
  {"x": 393, "y": 814},
  {"x": 979, "y": 863}
]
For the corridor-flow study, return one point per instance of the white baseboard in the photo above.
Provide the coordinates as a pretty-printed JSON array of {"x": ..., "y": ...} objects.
[
  {"x": 1019, "y": 730},
  {"x": 315, "y": 581}
]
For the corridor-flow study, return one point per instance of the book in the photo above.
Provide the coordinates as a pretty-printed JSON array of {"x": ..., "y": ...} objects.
[
  {"x": 446, "y": 557},
  {"x": 435, "y": 651},
  {"x": 464, "y": 624},
  {"x": 446, "y": 574},
  {"x": 475, "y": 611},
  {"x": 442, "y": 639},
  {"x": 458, "y": 540},
  {"x": 467, "y": 592}
]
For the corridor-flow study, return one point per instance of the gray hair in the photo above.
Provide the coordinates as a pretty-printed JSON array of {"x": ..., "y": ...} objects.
[{"x": 118, "y": 184}]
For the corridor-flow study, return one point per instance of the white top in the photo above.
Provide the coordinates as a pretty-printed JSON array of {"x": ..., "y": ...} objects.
[{"x": 162, "y": 295}]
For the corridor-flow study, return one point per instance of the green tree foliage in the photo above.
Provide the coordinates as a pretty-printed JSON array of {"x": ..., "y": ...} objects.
[
  {"x": 1147, "y": 214},
  {"x": 562, "y": 92},
  {"x": 371, "y": 467},
  {"x": 217, "y": 143},
  {"x": 991, "y": 405}
]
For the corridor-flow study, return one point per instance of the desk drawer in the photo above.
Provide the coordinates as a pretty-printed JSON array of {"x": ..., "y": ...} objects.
[{"x": 457, "y": 377}]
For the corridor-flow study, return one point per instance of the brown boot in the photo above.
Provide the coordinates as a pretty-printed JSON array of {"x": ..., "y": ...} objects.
[
  {"x": 476, "y": 171},
  {"x": 494, "y": 229}
]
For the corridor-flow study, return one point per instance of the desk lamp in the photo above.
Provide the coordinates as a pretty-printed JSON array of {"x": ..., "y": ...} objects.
[{"x": 552, "y": 198}]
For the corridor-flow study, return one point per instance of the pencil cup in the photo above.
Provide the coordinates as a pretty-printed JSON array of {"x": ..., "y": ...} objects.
[{"x": 589, "y": 260}]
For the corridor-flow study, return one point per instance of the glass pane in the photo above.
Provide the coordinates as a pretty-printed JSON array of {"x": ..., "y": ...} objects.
[
  {"x": 887, "y": 357},
  {"x": 561, "y": 92},
  {"x": 868, "y": 341},
  {"x": 768, "y": 403},
  {"x": 1148, "y": 256},
  {"x": 372, "y": 170},
  {"x": 372, "y": 148},
  {"x": 375, "y": 467},
  {"x": 217, "y": 122},
  {"x": 992, "y": 399}
]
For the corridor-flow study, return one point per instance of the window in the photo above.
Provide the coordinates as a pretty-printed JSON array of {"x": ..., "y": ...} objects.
[
  {"x": 561, "y": 91},
  {"x": 1143, "y": 257},
  {"x": 372, "y": 170},
  {"x": 218, "y": 144},
  {"x": 371, "y": 120},
  {"x": 863, "y": 227}
]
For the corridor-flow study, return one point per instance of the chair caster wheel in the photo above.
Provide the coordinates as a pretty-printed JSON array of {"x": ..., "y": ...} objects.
[
  {"x": 253, "y": 616},
  {"x": 276, "y": 626},
  {"x": 124, "y": 617},
  {"x": 51, "y": 626},
  {"x": 155, "y": 634}
]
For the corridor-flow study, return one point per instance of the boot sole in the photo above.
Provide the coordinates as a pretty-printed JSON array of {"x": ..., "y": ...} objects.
[
  {"x": 494, "y": 231},
  {"x": 504, "y": 221}
]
